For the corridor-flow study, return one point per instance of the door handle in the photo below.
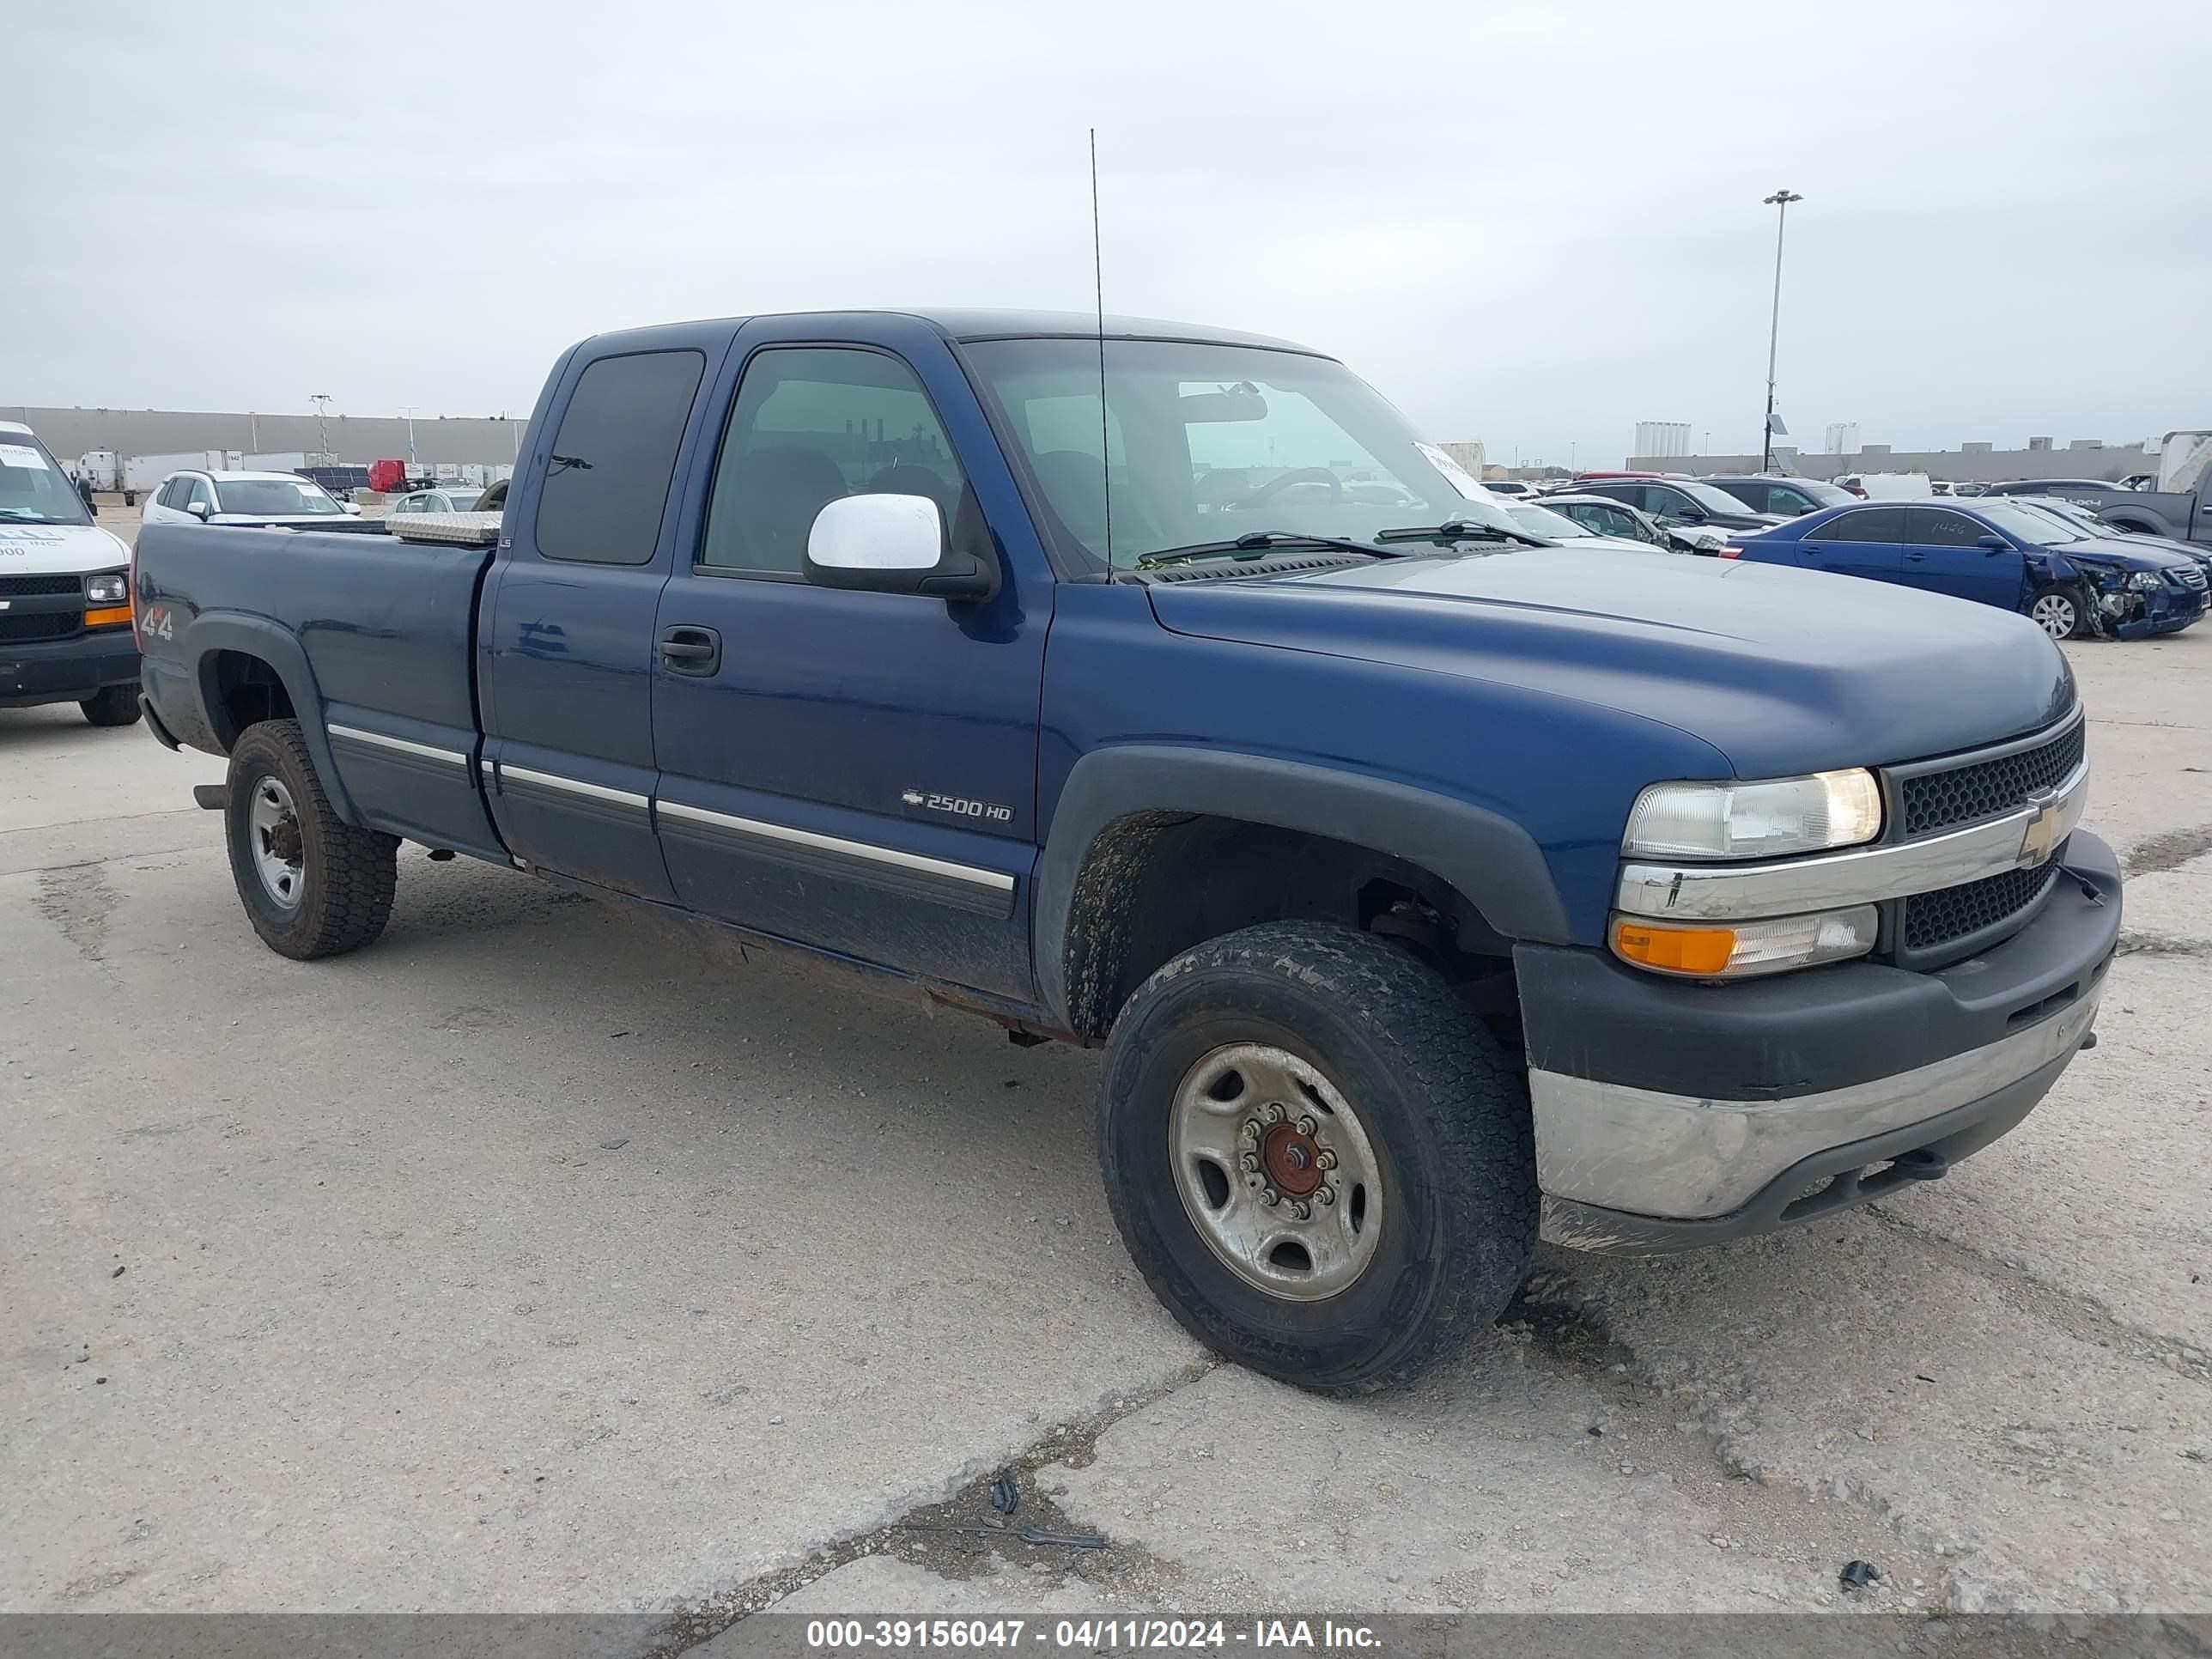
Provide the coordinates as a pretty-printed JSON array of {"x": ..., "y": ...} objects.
[
  {"x": 689, "y": 650},
  {"x": 1916, "y": 558}
]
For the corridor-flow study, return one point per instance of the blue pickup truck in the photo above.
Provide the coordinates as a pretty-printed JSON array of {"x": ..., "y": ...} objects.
[{"x": 1155, "y": 687}]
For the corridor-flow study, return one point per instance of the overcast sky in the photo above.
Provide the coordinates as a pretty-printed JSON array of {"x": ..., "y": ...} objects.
[{"x": 1533, "y": 224}]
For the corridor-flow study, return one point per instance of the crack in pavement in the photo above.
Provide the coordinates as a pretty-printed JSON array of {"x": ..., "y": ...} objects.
[
  {"x": 2167, "y": 851},
  {"x": 76, "y": 899},
  {"x": 2137, "y": 942},
  {"x": 2069, "y": 1311},
  {"x": 951, "y": 1537}
]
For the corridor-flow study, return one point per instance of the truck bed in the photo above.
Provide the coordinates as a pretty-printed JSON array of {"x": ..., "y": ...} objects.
[{"x": 374, "y": 635}]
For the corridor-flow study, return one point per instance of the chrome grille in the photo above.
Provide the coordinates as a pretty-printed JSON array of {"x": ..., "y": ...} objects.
[
  {"x": 1932, "y": 801},
  {"x": 1932, "y": 921}
]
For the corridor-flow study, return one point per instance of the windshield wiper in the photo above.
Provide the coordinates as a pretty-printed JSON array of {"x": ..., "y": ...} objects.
[
  {"x": 1461, "y": 530},
  {"x": 1255, "y": 545}
]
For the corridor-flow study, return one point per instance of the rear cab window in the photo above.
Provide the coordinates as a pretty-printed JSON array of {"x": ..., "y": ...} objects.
[{"x": 613, "y": 458}]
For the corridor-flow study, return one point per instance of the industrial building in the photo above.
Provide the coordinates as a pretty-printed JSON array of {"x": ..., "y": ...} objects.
[
  {"x": 1973, "y": 462},
  {"x": 354, "y": 438}
]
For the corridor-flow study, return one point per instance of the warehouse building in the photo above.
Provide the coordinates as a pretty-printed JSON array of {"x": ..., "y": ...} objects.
[
  {"x": 1973, "y": 462},
  {"x": 492, "y": 440}
]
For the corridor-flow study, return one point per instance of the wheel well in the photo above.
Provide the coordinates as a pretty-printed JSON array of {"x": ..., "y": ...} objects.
[
  {"x": 1155, "y": 884},
  {"x": 242, "y": 690},
  {"x": 2136, "y": 526}
]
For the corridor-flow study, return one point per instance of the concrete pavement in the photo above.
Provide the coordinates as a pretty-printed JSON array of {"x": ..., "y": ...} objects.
[{"x": 540, "y": 1258}]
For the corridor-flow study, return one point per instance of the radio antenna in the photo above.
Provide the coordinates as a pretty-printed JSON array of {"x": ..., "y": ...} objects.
[{"x": 1098, "y": 298}]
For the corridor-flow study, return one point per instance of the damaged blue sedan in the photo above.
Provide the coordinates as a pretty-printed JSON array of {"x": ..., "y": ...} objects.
[{"x": 2074, "y": 584}]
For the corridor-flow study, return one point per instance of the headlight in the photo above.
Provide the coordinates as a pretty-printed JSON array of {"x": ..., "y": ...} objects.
[
  {"x": 2145, "y": 581},
  {"x": 107, "y": 588},
  {"x": 1755, "y": 820},
  {"x": 1744, "y": 949}
]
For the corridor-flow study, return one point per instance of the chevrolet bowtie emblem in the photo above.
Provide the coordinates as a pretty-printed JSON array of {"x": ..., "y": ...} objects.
[{"x": 2043, "y": 832}]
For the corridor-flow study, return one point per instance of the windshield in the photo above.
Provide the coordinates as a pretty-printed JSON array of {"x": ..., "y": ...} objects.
[
  {"x": 1555, "y": 526},
  {"x": 1826, "y": 494},
  {"x": 1206, "y": 443},
  {"x": 2073, "y": 518},
  {"x": 273, "y": 497},
  {"x": 2030, "y": 526},
  {"x": 33, "y": 489},
  {"x": 1711, "y": 497}
]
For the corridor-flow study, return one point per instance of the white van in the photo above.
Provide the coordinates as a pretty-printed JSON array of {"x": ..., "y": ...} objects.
[{"x": 64, "y": 592}]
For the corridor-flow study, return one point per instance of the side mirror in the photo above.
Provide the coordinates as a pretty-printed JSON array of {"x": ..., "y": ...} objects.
[
  {"x": 353, "y": 507},
  {"x": 200, "y": 510},
  {"x": 1803, "y": 508},
  {"x": 1690, "y": 513},
  {"x": 1992, "y": 544},
  {"x": 893, "y": 544}
]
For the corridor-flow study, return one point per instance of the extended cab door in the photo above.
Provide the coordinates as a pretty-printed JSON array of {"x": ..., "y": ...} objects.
[
  {"x": 856, "y": 771},
  {"x": 1944, "y": 552},
  {"x": 1867, "y": 541},
  {"x": 566, "y": 641}
]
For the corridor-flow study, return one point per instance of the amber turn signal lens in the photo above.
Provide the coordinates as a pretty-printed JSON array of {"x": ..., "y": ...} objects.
[
  {"x": 112, "y": 615},
  {"x": 1674, "y": 950}
]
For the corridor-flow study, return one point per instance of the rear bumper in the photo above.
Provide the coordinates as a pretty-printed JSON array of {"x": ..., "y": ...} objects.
[
  {"x": 1668, "y": 1115},
  {"x": 66, "y": 671}
]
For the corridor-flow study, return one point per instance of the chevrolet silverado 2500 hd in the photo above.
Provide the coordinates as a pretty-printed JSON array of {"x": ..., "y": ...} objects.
[{"x": 1156, "y": 688}]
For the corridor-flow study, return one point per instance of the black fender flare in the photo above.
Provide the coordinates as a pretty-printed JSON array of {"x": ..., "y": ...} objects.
[
  {"x": 1490, "y": 859},
  {"x": 276, "y": 644},
  {"x": 2142, "y": 520}
]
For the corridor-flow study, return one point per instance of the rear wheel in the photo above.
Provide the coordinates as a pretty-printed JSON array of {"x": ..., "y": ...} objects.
[
  {"x": 2057, "y": 611},
  {"x": 1318, "y": 1158},
  {"x": 312, "y": 886},
  {"x": 113, "y": 705}
]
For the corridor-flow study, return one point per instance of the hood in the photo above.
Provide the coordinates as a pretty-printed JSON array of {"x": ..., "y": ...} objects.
[
  {"x": 1783, "y": 670},
  {"x": 2127, "y": 554},
  {"x": 48, "y": 550}
]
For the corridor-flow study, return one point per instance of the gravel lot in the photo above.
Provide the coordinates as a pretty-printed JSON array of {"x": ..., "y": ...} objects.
[{"x": 538, "y": 1258}]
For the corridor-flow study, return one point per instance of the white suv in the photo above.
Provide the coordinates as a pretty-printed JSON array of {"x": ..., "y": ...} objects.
[{"x": 283, "y": 500}]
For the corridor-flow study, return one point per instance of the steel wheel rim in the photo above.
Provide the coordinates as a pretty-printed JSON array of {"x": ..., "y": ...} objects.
[
  {"x": 2054, "y": 612},
  {"x": 1276, "y": 1172},
  {"x": 273, "y": 825}
]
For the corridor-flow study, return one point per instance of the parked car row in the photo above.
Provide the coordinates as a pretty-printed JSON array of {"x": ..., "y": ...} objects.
[{"x": 2072, "y": 581}]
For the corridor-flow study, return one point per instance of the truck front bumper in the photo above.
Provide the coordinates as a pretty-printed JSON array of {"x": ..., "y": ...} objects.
[
  {"x": 1671, "y": 1115},
  {"x": 65, "y": 670}
]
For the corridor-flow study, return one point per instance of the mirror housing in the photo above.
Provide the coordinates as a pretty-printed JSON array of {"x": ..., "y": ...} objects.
[
  {"x": 894, "y": 544},
  {"x": 1989, "y": 542},
  {"x": 1241, "y": 402},
  {"x": 353, "y": 507},
  {"x": 200, "y": 510}
]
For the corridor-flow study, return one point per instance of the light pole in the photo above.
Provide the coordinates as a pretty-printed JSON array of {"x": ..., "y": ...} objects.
[
  {"x": 409, "y": 412},
  {"x": 322, "y": 402},
  {"x": 1779, "y": 202}
]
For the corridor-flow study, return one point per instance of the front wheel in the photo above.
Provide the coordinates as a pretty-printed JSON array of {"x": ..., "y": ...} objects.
[
  {"x": 113, "y": 705},
  {"x": 312, "y": 886},
  {"x": 1317, "y": 1156},
  {"x": 2057, "y": 611}
]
